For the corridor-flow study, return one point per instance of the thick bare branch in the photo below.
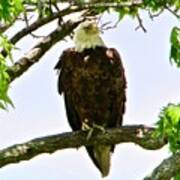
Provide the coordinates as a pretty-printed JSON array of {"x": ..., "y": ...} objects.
[
  {"x": 94, "y": 3},
  {"x": 40, "y": 49},
  {"x": 138, "y": 134},
  {"x": 167, "y": 169},
  {"x": 112, "y": 5},
  {"x": 69, "y": 10},
  {"x": 39, "y": 23}
]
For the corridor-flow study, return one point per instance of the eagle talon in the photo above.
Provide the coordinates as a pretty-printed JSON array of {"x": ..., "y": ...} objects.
[
  {"x": 89, "y": 135},
  {"x": 99, "y": 127},
  {"x": 86, "y": 127},
  {"x": 93, "y": 128}
]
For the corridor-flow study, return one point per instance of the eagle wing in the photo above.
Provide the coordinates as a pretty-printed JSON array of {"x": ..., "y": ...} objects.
[{"x": 93, "y": 84}]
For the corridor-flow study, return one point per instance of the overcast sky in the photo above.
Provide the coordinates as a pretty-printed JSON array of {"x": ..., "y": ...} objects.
[{"x": 152, "y": 83}]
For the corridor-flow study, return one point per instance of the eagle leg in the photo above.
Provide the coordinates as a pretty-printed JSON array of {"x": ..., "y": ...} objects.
[{"x": 86, "y": 127}]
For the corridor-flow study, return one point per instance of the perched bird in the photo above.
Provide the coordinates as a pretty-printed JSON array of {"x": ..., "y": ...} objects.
[{"x": 93, "y": 83}]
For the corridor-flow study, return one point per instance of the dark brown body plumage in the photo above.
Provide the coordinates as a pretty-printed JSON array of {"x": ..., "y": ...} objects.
[{"x": 93, "y": 83}]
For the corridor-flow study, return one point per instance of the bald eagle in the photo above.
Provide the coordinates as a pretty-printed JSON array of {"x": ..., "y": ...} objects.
[{"x": 93, "y": 83}]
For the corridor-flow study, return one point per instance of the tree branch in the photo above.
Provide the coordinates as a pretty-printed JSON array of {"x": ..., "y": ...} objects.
[
  {"x": 40, "y": 49},
  {"x": 169, "y": 168},
  {"x": 71, "y": 9},
  {"x": 172, "y": 12},
  {"x": 140, "y": 21},
  {"x": 96, "y": 5},
  {"x": 40, "y": 22},
  {"x": 4, "y": 27},
  {"x": 138, "y": 134}
]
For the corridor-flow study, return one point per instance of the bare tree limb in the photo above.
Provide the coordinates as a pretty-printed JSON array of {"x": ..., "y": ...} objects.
[
  {"x": 40, "y": 49},
  {"x": 69, "y": 10},
  {"x": 95, "y": 3},
  {"x": 167, "y": 169},
  {"x": 138, "y": 134},
  {"x": 40, "y": 22},
  {"x": 115, "y": 5}
]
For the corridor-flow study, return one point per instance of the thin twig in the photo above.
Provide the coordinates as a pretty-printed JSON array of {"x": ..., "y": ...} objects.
[
  {"x": 140, "y": 24},
  {"x": 172, "y": 12},
  {"x": 107, "y": 26},
  {"x": 152, "y": 16}
]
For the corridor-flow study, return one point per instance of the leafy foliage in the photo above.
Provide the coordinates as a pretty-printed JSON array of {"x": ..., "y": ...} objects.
[
  {"x": 154, "y": 5},
  {"x": 177, "y": 177},
  {"x": 4, "y": 77},
  {"x": 130, "y": 11},
  {"x": 10, "y": 9},
  {"x": 175, "y": 46},
  {"x": 169, "y": 126}
]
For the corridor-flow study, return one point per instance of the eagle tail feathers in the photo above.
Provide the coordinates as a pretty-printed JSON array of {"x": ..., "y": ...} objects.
[{"x": 101, "y": 156}]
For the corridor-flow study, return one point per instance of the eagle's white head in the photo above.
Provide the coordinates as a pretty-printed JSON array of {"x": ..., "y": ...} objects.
[{"x": 87, "y": 35}]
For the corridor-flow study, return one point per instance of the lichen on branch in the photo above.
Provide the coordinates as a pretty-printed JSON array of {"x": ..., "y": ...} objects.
[{"x": 137, "y": 134}]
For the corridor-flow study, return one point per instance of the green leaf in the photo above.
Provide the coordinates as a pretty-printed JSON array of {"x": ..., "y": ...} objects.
[
  {"x": 174, "y": 36},
  {"x": 7, "y": 46},
  {"x": 122, "y": 12},
  {"x": 2, "y": 106},
  {"x": 177, "y": 177},
  {"x": 175, "y": 46},
  {"x": 10, "y": 9},
  {"x": 169, "y": 126},
  {"x": 4, "y": 76}
]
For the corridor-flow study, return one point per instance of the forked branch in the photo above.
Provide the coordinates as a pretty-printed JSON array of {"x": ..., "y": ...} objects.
[{"x": 34, "y": 55}]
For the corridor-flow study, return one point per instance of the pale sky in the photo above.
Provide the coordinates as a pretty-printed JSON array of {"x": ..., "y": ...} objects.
[{"x": 152, "y": 83}]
